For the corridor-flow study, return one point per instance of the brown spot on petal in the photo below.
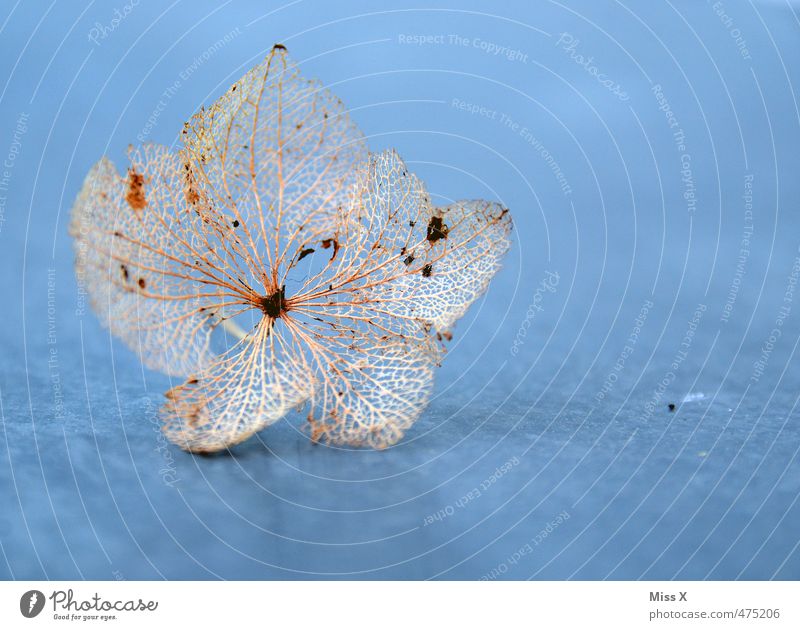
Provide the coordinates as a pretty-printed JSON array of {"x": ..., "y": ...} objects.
[
  {"x": 135, "y": 195},
  {"x": 437, "y": 229},
  {"x": 190, "y": 186},
  {"x": 304, "y": 253},
  {"x": 328, "y": 242}
]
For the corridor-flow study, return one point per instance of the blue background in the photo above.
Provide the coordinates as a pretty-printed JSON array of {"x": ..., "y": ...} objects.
[{"x": 598, "y": 479}]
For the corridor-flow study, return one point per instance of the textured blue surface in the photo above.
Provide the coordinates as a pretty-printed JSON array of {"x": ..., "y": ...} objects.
[{"x": 549, "y": 450}]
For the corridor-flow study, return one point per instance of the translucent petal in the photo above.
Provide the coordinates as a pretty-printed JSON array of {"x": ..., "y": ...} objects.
[
  {"x": 142, "y": 257},
  {"x": 372, "y": 396},
  {"x": 281, "y": 153},
  {"x": 405, "y": 257},
  {"x": 251, "y": 386},
  {"x": 404, "y": 268},
  {"x": 448, "y": 275}
]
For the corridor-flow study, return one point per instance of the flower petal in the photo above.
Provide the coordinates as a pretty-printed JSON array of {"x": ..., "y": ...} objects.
[
  {"x": 404, "y": 257},
  {"x": 280, "y": 152},
  {"x": 373, "y": 385},
  {"x": 142, "y": 258},
  {"x": 448, "y": 275},
  {"x": 251, "y": 386},
  {"x": 405, "y": 267}
]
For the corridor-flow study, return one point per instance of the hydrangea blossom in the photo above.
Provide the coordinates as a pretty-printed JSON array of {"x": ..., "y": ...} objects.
[{"x": 335, "y": 277}]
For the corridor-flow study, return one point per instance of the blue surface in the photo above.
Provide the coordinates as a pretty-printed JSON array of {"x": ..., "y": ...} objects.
[{"x": 556, "y": 412}]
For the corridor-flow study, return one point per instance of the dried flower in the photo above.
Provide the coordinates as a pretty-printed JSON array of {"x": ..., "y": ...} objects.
[{"x": 331, "y": 269}]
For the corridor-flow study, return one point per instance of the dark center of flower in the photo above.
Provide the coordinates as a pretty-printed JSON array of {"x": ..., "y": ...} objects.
[{"x": 274, "y": 304}]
